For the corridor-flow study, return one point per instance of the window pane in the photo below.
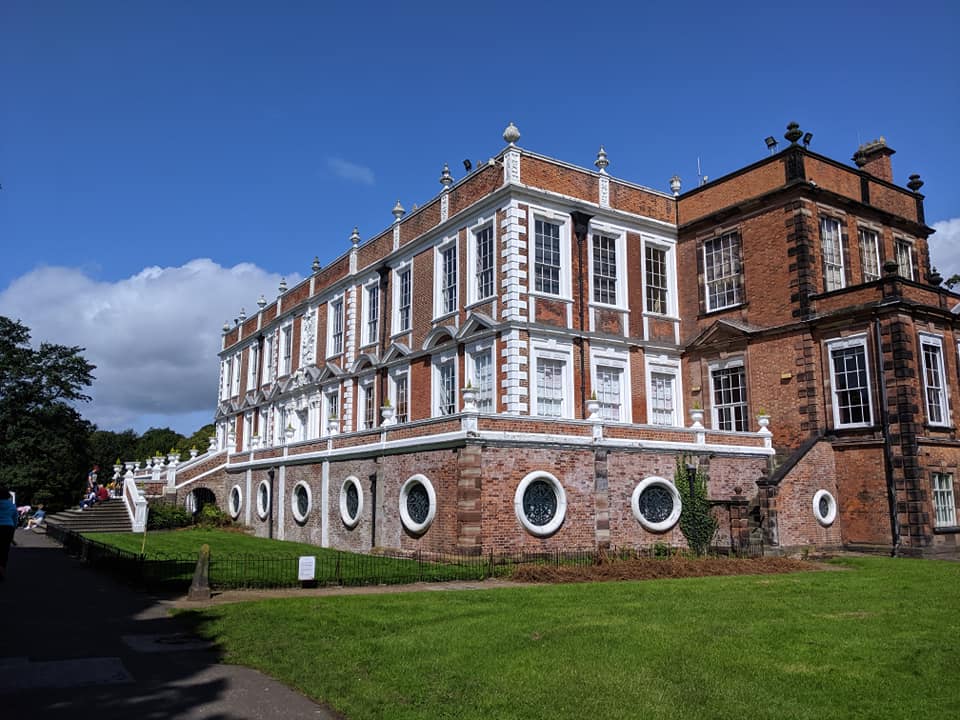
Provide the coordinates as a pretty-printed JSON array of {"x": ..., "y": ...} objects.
[
  {"x": 550, "y": 387},
  {"x": 869, "y": 256},
  {"x": 604, "y": 269},
  {"x": 403, "y": 305},
  {"x": 609, "y": 392},
  {"x": 662, "y": 402},
  {"x": 485, "y": 263},
  {"x": 832, "y": 254},
  {"x": 373, "y": 312},
  {"x": 656, "y": 280},
  {"x": 850, "y": 387},
  {"x": 933, "y": 383},
  {"x": 447, "y": 391},
  {"x": 401, "y": 399},
  {"x": 483, "y": 381},
  {"x": 547, "y": 263},
  {"x": 448, "y": 276},
  {"x": 903, "y": 254},
  {"x": 337, "y": 328},
  {"x": 722, "y": 271},
  {"x": 943, "y": 502},
  {"x": 730, "y": 399}
]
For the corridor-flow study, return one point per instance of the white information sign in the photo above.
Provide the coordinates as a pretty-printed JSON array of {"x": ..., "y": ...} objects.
[{"x": 307, "y": 569}]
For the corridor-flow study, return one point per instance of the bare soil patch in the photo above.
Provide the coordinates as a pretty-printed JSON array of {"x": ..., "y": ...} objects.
[{"x": 657, "y": 568}]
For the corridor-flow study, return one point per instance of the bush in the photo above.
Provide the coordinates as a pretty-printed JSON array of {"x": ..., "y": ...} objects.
[
  {"x": 164, "y": 516},
  {"x": 212, "y": 516},
  {"x": 696, "y": 521}
]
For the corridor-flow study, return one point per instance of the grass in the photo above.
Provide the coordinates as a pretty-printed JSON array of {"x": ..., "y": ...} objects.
[
  {"x": 876, "y": 641},
  {"x": 239, "y": 560}
]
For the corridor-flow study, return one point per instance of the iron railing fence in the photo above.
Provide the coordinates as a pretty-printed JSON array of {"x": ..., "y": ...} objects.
[{"x": 243, "y": 571}]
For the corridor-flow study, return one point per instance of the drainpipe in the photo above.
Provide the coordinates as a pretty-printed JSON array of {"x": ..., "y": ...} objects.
[
  {"x": 384, "y": 285},
  {"x": 581, "y": 221},
  {"x": 887, "y": 449},
  {"x": 270, "y": 474}
]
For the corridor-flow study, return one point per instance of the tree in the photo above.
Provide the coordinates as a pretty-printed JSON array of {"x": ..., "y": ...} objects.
[
  {"x": 158, "y": 440},
  {"x": 200, "y": 439},
  {"x": 43, "y": 439},
  {"x": 106, "y": 447},
  {"x": 952, "y": 280}
]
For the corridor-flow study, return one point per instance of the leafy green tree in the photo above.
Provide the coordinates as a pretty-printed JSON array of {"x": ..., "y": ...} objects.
[
  {"x": 697, "y": 523},
  {"x": 158, "y": 440},
  {"x": 44, "y": 454},
  {"x": 952, "y": 280},
  {"x": 200, "y": 439},
  {"x": 107, "y": 446}
]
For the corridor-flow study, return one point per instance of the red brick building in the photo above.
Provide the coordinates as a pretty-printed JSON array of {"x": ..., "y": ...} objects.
[{"x": 521, "y": 361}]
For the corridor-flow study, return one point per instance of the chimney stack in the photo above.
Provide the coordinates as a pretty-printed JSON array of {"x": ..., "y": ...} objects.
[{"x": 874, "y": 158}]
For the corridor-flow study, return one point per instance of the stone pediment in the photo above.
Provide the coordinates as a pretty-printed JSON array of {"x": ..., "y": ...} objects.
[
  {"x": 329, "y": 372},
  {"x": 439, "y": 335},
  {"x": 396, "y": 351},
  {"x": 366, "y": 360},
  {"x": 722, "y": 332},
  {"x": 476, "y": 322}
]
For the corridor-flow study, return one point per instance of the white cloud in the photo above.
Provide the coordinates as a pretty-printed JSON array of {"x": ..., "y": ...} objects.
[
  {"x": 945, "y": 247},
  {"x": 154, "y": 337},
  {"x": 351, "y": 171}
]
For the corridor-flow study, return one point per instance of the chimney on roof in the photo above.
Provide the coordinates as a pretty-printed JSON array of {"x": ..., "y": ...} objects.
[{"x": 874, "y": 158}]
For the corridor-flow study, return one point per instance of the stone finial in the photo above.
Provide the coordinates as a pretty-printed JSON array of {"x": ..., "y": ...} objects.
[
  {"x": 226, "y": 326},
  {"x": 398, "y": 211},
  {"x": 935, "y": 278},
  {"x": 511, "y": 134},
  {"x": 315, "y": 265},
  {"x": 261, "y": 302},
  {"x": 793, "y": 133},
  {"x": 675, "y": 185},
  {"x": 243, "y": 314},
  {"x": 283, "y": 286},
  {"x": 860, "y": 158},
  {"x": 915, "y": 183},
  {"x": 355, "y": 235},
  {"x": 890, "y": 267},
  {"x": 446, "y": 179},
  {"x": 602, "y": 162}
]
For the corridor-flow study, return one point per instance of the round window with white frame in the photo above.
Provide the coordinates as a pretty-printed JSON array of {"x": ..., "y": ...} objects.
[
  {"x": 351, "y": 501},
  {"x": 824, "y": 508},
  {"x": 263, "y": 499},
  {"x": 656, "y": 504},
  {"x": 235, "y": 502},
  {"x": 540, "y": 503},
  {"x": 418, "y": 504},
  {"x": 301, "y": 501}
]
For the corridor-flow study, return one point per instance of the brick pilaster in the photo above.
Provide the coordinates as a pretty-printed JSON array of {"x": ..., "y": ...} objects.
[{"x": 469, "y": 509}]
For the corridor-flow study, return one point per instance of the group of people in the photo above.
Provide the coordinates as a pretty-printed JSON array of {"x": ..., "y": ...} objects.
[{"x": 95, "y": 491}]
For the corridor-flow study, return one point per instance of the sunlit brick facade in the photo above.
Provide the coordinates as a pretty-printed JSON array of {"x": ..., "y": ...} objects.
[{"x": 520, "y": 362}]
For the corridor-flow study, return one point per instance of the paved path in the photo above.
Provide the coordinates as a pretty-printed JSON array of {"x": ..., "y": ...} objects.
[{"x": 75, "y": 644}]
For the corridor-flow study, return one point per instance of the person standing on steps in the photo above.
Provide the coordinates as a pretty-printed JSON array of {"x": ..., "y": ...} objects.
[{"x": 8, "y": 523}]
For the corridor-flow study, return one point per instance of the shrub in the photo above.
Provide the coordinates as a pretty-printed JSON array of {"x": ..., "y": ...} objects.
[
  {"x": 697, "y": 524},
  {"x": 212, "y": 516},
  {"x": 165, "y": 516}
]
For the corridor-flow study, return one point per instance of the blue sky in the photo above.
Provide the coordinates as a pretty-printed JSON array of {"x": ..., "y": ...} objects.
[{"x": 163, "y": 163}]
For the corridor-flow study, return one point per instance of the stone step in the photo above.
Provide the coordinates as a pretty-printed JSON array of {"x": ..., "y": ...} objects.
[{"x": 108, "y": 516}]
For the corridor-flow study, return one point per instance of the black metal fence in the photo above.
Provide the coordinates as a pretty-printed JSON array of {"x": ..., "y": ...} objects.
[{"x": 331, "y": 567}]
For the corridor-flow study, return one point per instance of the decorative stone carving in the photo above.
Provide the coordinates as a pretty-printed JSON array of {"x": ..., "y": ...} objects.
[{"x": 308, "y": 338}]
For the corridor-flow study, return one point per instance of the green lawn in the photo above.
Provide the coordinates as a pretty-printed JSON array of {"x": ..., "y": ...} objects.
[
  {"x": 238, "y": 560},
  {"x": 878, "y": 640}
]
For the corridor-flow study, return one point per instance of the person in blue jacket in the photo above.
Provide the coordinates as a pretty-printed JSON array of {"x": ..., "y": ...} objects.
[{"x": 8, "y": 523}]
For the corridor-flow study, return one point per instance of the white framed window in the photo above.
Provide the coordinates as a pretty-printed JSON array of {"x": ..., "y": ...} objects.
[
  {"x": 540, "y": 503},
  {"x": 663, "y": 395},
  {"x": 604, "y": 269},
  {"x": 418, "y": 504},
  {"x": 351, "y": 501},
  {"x": 550, "y": 254},
  {"x": 247, "y": 430},
  {"x": 722, "y": 271},
  {"x": 482, "y": 258},
  {"x": 831, "y": 242},
  {"x": 850, "y": 375},
  {"x": 400, "y": 393},
  {"x": 266, "y": 376},
  {"x": 263, "y": 499},
  {"x": 331, "y": 408},
  {"x": 371, "y": 313},
  {"x": 253, "y": 365},
  {"x": 224, "y": 379},
  {"x": 445, "y": 383},
  {"x": 609, "y": 377},
  {"x": 262, "y": 425},
  {"x": 869, "y": 254},
  {"x": 368, "y": 403},
  {"x": 301, "y": 501},
  {"x": 479, "y": 361},
  {"x": 286, "y": 350},
  {"x": 335, "y": 326},
  {"x": 903, "y": 254},
  {"x": 235, "y": 503},
  {"x": 656, "y": 504},
  {"x": 728, "y": 388},
  {"x": 402, "y": 298},
  {"x": 655, "y": 275},
  {"x": 235, "y": 375},
  {"x": 944, "y": 505},
  {"x": 824, "y": 507},
  {"x": 446, "y": 274},
  {"x": 934, "y": 380},
  {"x": 551, "y": 380}
]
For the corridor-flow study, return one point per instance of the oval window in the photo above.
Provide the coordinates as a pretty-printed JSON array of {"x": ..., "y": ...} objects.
[
  {"x": 540, "y": 503},
  {"x": 351, "y": 501},
  {"x": 236, "y": 501},
  {"x": 418, "y": 504},
  {"x": 824, "y": 508},
  {"x": 263, "y": 499},
  {"x": 301, "y": 501},
  {"x": 656, "y": 504}
]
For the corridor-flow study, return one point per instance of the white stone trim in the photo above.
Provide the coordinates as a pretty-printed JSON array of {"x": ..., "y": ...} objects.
[
  {"x": 344, "y": 513},
  {"x": 664, "y": 525},
  {"x": 664, "y": 365},
  {"x": 831, "y": 515},
  {"x": 619, "y": 359},
  {"x": 416, "y": 528},
  {"x": 552, "y": 349},
  {"x": 926, "y": 338},
  {"x": 439, "y": 249},
  {"x": 845, "y": 343},
  {"x": 513, "y": 254},
  {"x": 551, "y": 527},
  {"x": 561, "y": 219},
  {"x": 480, "y": 224}
]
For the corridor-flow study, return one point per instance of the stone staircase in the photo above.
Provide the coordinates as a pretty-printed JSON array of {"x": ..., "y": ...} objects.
[{"x": 108, "y": 516}]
